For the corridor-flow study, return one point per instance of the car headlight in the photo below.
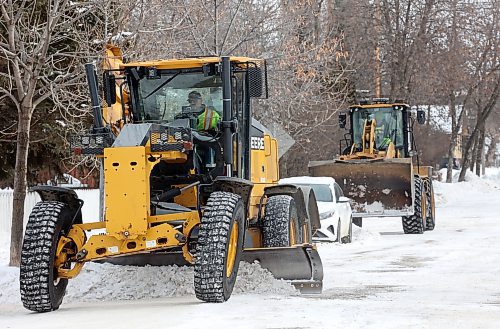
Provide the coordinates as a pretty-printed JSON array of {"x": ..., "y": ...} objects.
[{"x": 327, "y": 214}]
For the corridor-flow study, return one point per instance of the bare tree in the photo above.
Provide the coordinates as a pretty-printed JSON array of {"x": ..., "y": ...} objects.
[{"x": 42, "y": 50}]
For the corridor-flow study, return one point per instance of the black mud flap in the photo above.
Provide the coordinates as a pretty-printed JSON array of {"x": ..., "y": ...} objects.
[
  {"x": 300, "y": 265},
  {"x": 358, "y": 221}
]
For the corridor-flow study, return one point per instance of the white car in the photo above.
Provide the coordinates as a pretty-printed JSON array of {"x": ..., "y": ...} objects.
[{"x": 334, "y": 208}]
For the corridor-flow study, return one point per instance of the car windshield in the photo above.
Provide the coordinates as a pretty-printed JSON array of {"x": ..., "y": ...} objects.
[
  {"x": 389, "y": 125},
  {"x": 161, "y": 100},
  {"x": 321, "y": 191}
]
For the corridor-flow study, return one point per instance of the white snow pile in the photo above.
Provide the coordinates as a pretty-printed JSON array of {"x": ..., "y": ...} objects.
[
  {"x": 364, "y": 236},
  {"x": 360, "y": 236},
  {"x": 490, "y": 180},
  {"x": 473, "y": 185},
  {"x": 106, "y": 282}
]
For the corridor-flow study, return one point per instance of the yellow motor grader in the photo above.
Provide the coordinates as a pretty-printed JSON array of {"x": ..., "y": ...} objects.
[
  {"x": 179, "y": 185},
  {"x": 376, "y": 168}
]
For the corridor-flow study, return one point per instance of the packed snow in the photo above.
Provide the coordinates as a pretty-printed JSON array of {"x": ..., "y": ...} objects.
[{"x": 446, "y": 278}]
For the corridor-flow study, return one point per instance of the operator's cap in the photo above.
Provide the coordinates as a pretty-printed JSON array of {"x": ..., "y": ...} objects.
[{"x": 194, "y": 95}]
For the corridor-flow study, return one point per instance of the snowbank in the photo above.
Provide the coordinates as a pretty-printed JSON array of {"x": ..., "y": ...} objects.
[
  {"x": 473, "y": 186},
  {"x": 107, "y": 282}
]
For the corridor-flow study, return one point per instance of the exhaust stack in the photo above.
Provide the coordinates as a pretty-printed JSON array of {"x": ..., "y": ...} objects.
[{"x": 94, "y": 96}]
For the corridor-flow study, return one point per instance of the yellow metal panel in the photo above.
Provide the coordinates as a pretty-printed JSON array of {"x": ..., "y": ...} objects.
[
  {"x": 188, "y": 62},
  {"x": 188, "y": 198},
  {"x": 423, "y": 171},
  {"x": 188, "y": 216},
  {"x": 91, "y": 226},
  {"x": 256, "y": 194},
  {"x": 264, "y": 163},
  {"x": 377, "y": 105},
  {"x": 159, "y": 237},
  {"x": 126, "y": 185},
  {"x": 272, "y": 161},
  {"x": 258, "y": 166}
]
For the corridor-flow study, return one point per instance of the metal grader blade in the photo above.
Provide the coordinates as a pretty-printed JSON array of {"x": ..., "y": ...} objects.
[
  {"x": 301, "y": 265},
  {"x": 380, "y": 187}
]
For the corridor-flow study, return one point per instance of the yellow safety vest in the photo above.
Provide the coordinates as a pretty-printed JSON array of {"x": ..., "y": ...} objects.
[{"x": 208, "y": 119}]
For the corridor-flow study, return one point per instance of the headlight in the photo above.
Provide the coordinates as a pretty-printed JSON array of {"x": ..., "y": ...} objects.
[{"x": 85, "y": 140}]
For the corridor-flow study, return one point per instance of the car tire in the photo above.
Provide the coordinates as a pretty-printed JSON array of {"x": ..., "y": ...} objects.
[
  {"x": 339, "y": 236},
  {"x": 348, "y": 237}
]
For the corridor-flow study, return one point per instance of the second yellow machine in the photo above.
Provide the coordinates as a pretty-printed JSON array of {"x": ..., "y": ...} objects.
[{"x": 187, "y": 177}]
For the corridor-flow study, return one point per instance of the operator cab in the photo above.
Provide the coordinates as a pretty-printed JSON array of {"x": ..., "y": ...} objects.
[
  {"x": 180, "y": 103},
  {"x": 392, "y": 124}
]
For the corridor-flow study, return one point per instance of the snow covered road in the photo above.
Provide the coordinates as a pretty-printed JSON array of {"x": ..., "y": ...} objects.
[{"x": 447, "y": 278}]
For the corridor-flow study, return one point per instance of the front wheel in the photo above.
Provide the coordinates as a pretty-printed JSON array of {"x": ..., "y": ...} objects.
[
  {"x": 219, "y": 247},
  {"x": 339, "y": 235},
  {"x": 415, "y": 224},
  {"x": 431, "y": 207},
  {"x": 41, "y": 288},
  {"x": 348, "y": 237}
]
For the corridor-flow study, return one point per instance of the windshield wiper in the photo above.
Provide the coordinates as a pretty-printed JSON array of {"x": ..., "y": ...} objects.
[{"x": 163, "y": 84}]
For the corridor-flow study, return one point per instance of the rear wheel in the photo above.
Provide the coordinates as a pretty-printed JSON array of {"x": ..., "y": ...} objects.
[
  {"x": 431, "y": 208},
  {"x": 219, "y": 247},
  {"x": 41, "y": 289},
  {"x": 415, "y": 224},
  {"x": 281, "y": 226}
]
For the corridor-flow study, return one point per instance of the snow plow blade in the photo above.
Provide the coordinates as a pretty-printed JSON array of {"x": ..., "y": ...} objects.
[
  {"x": 300, "y": 265},
  {"x": 378, "y": 188}
]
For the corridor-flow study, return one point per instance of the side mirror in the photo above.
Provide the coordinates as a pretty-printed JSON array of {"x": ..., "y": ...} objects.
[
  {"x": 254, "y": 81},
  {"x": 344, "y": 199},
  {"x": 109, "y": 83},
  {"x": 421, "y": 117},
  {"x": 342, "y": 120}
]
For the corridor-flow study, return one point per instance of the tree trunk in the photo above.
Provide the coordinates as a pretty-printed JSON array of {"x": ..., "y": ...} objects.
[
  {"x": 490, "y": 155},
  {"x": 449, "y": 169},
  {"x": 453, "y": 138},
  {"x": 483, "y": 152},
  {"x": 479, "y": 152},
  {"x": 472, "y": 157},
  {"x": 23, "y": 137},
  {"x": 467, "y": 156}
]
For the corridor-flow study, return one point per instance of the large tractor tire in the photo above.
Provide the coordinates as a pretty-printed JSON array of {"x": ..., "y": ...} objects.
[
  {"x": 219, "y": 247},
  {"x": 415, "y": 224},
  {"x": 41, "y": 289},
  {"x": 281, "y": 226},
  {"x": 431, "y": 206}
]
